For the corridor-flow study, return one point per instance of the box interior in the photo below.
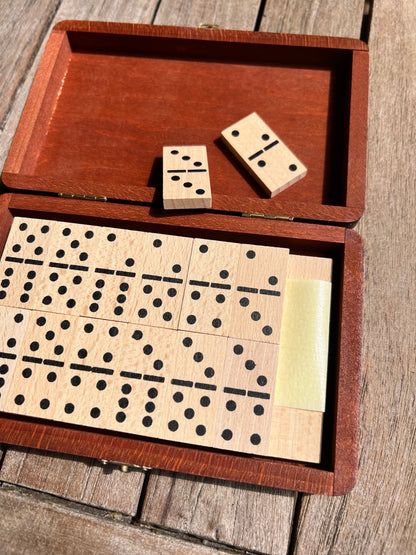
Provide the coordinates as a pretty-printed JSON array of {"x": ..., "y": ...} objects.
[
  {"x": 296, "y": 244},
  {"x": 113, "y": 101}
]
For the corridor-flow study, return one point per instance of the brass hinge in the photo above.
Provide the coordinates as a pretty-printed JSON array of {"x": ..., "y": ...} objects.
[
  {"x": 267, "y": 216},
  {"x": 124, "y": 467},
  {"x": 82, "y": 197},
  {"x": 208, "y": 26}
]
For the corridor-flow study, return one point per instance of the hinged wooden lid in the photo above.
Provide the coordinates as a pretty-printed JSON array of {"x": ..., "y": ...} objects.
[{"x": 108, "y": 96}]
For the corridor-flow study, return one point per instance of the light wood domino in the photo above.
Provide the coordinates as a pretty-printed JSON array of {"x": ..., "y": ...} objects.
[{"x": 264, "y": 154}]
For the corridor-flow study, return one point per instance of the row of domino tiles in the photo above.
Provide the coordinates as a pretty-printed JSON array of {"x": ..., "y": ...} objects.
[
  {"x": 234, "y": 399},
  {"x": 159, "y": 280}
]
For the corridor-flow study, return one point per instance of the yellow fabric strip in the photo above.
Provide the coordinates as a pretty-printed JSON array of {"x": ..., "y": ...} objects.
[{"x": 303, "y": 355}]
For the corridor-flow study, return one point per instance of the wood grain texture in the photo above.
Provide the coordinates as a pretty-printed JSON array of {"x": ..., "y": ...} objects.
[
  {"x": 319, "y": 17},
  {"x": 378, "y": 516},
  {"x": 227, "y": 15},
  {"x": 250, "y": 139},
  {"x": 82, "y": 480},
  {"x": 246, "y": 517},
  {"x": 57, "y": 529},
  {"x": 25, "y": 24}
]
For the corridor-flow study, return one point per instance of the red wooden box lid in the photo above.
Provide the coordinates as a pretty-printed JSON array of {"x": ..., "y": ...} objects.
[{"x": 108, "y": 96}]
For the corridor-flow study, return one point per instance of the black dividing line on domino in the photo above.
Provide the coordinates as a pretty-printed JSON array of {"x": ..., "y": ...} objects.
[
  {"x": 255, "y": 154},
  {"x": 234, "y": 391},
  {"x": 125, "y": 274},
  {"x": 254, "y": 290},
  {"x": 152, "y": 277},
  {"x": 83, "y": 367},
  {"x": 33, "y": 262},
  {"x": 151, "y": 378},
  {"x": 269, "y": 292},
  {"x": 271, "y": 145},
  {"x": 220, "y": 285},
  {"x": 8, "y": 355},
  {"x": 267, "y": 147},
  {"x": 199, "y": 283},
  {"x": 14, "y": 259},
  {"x": 79, "y": 268},
  {"x": 185, "y": 171},
  {"x": 206, "y": 386},
  {"x": 104, "y": 271},
  {"x": 57, "y": 363},
  {"x": 184, "y": 383},
  {"x": 99, "y": 370},
  {"x": 244, "y": 289},
  {"x": 35, "y": 360},
  {"x": 132, "y": 375},
  {"x": 58, "y": 265},
  {"x": 258, "y": 394},
  {"x": 173, "y": 280}
]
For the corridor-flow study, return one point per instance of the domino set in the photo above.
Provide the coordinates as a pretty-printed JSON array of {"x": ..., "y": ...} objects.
[
  {"x": 108, "y": 303},
  {"x": 151, "y": 334},
  {"x": 186, "y": 181}
]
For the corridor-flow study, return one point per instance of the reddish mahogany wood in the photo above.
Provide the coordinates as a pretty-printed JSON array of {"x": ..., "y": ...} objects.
[
  {"x": 336, "y": 473},
  {"x": 107, "y": 97},
  {"x": 348, "y": 381}
]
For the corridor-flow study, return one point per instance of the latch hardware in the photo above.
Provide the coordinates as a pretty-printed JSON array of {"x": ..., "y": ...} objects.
[
  {"x": 82, "y": 197},
  {"x": 124, "y": 467},
  {"x": 267, "y": 216}
]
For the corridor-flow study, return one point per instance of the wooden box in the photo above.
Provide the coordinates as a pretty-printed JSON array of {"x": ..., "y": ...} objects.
[{"x": 105, "y": 100}]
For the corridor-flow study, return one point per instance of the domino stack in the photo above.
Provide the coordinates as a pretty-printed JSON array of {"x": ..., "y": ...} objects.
[{"x": 169, "y": 337}]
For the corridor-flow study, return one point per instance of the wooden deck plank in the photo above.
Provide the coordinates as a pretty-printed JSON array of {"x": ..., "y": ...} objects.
[
  {"x": 77, "y": 479},
  {"x": 378, "y": 516},
  {"x": 242, "y": 516},
  {"x": 320, "y": 17},
  {"x": 24, "y": 24},
  {"x": 232, "y": 14},
  {"x": 33, "y": 525}
]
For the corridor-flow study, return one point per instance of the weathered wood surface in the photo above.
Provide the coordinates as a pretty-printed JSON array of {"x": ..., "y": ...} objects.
[
  {"x": 31, "y": 524},
  {"x": 319, "y": 17},
  {"x": 77, "y": 479},
  {"x": 23, "y": 24},
  {"x": 378, "y": 516},
  {"x": 232, "y": 14},
  {"x": 241, "y": 516}
]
